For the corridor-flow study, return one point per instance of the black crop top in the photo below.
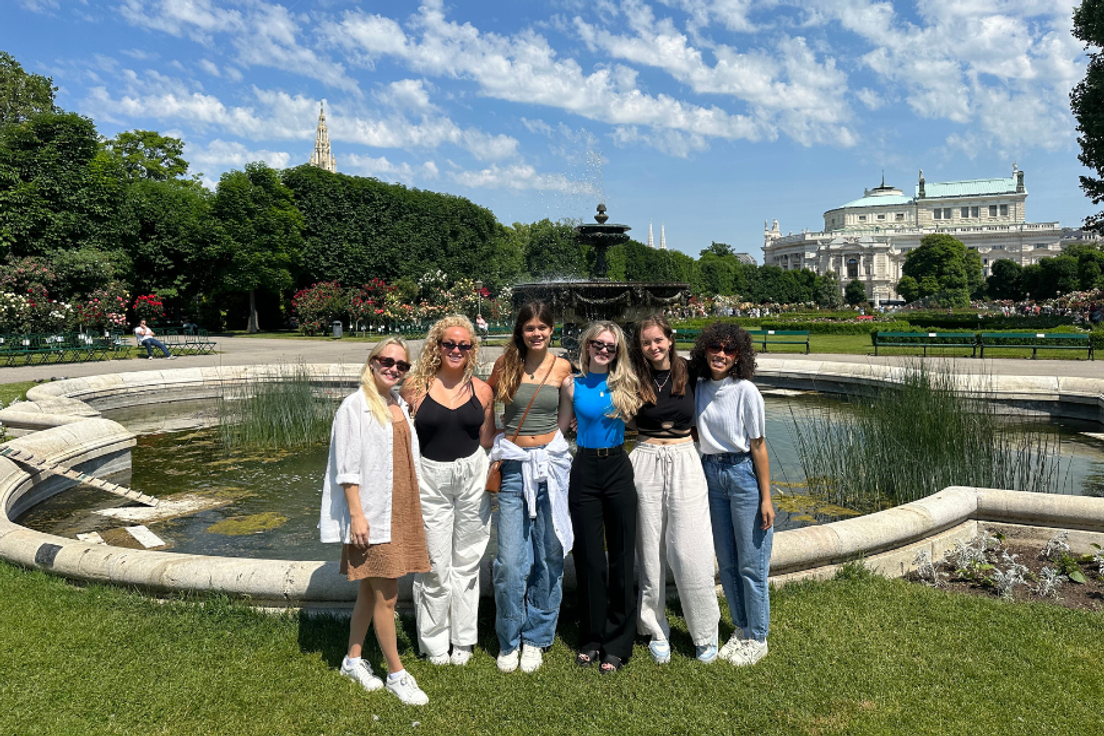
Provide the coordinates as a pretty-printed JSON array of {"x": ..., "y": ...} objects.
[
  {"x": 448, "y": 434},
  {"x": 671, "y": 416}
]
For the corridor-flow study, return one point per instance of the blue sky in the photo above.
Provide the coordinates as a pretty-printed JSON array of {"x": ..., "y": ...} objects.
[{"x": 709, "y": 116}]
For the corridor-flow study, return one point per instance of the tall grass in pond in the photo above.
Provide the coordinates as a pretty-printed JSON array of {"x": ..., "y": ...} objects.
[
  {"x": 281, "y": 411},
  {"x": 910, "y": 439}
]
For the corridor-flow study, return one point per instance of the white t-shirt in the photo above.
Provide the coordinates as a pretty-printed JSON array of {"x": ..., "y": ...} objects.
[
  {"x": 729, "y": 414},
  {"x": 143, "y": 333}
]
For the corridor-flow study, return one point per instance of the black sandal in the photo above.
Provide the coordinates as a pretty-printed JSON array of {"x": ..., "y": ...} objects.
[
  {"x": 610, "y": 664},
  {"x": 586, "y": 657}
]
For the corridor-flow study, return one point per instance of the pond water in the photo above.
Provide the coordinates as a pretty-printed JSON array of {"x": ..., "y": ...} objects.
[{"x": 266, "y": 504}]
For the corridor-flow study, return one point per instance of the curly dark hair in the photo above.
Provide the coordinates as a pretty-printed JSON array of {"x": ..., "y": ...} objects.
[{"x": 724, "y": 333}]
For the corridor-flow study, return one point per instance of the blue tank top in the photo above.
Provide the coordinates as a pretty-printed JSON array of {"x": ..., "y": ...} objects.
[{"x": 592, "y": 402}]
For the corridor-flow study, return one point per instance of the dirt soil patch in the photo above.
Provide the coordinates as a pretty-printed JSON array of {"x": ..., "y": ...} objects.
[{"x": 980, "y": 567}]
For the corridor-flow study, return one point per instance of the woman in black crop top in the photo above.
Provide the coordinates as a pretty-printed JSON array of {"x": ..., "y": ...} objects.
[
  {"x": 453, "y": 415},
  {"x": 672, "y": 498}
]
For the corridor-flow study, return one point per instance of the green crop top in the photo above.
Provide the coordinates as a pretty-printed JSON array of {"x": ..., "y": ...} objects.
[{"x": 541, "y": 418}]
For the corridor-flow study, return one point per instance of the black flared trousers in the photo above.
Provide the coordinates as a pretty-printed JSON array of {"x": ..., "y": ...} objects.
[{"x": 602, "y": 501}]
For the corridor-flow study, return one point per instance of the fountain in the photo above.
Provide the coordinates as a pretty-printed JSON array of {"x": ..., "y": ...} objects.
[{"x": 575, "y": 303}]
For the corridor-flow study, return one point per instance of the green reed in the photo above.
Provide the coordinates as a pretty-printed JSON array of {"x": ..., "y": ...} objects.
[
  {"x": 910, "y": 439},
  {"x": 284, "y": 410}
]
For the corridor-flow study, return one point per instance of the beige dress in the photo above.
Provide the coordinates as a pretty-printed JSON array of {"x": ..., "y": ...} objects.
[{"x": 407, "y": 551}]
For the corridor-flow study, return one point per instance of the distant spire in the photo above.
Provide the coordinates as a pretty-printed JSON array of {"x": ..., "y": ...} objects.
[
  {"x": 322, "y": 157},
  {"x": 662, "y": 236},
  {"x": 651, "y": 240}
]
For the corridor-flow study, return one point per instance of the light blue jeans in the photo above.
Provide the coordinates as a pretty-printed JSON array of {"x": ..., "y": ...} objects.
[
  {"x": 743, "y": 548},
  {"x": 528, "y": 566}
]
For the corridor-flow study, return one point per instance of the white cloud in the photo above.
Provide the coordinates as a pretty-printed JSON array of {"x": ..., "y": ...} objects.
[
  {"x": 222, "y": 154},
  {"x": 406, "y": 94},
  {"x": 520, "y": 176},
  {"x": 380, "y": 168},
  {"x": 871, "y": 99},
  {"x": 210, "y": 67},
  {"x": 41, "y": 6}
]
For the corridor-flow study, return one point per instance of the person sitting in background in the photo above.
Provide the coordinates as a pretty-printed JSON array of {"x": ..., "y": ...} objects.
[{"x": 144, "y": 333}]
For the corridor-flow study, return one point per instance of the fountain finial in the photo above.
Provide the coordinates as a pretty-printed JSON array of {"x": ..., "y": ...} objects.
[{"x": 601, "y": 217}]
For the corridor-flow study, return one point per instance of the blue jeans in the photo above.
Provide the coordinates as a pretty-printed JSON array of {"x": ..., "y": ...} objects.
[
  {"x": 528, "y": 566},
  {"x": 152, "y": 342},
  {"x": 743, "y": 548}
]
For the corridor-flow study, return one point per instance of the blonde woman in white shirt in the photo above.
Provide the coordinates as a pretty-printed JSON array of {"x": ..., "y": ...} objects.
[{"x": 370, "y": 504}]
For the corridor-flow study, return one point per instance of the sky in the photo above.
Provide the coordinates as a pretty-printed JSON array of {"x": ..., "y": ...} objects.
[{"x": 706, "y": 116}]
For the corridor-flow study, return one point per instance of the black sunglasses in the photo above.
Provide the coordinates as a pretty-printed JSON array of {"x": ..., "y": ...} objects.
[
  {"x": 716, "y": 347},
  {"x": 449, "y": 345},
  {"x": 603, "y": 347},
  {"x": 402, "y": 365}
]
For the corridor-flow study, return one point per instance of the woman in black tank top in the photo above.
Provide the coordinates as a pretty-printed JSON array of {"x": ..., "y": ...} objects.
[{"x": 453, "y": 416}]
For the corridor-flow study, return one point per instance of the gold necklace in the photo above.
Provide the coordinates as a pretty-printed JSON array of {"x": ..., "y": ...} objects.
[{"x": 533, "y": 374}]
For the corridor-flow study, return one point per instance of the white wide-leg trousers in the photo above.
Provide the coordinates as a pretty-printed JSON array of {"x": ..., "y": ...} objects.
[
  {"x": 673, "y": 528},
  {"x": 456, "y": 511}
]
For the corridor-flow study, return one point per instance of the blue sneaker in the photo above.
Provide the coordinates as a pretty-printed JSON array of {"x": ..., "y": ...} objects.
[
  {"x": 660, "y": 649},
  {"x": 707, "y": 653}
]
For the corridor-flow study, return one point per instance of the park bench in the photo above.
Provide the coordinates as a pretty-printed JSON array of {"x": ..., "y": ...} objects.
[
  {"x": 780, "y": 337},
  {"x": 926, "y": 340},
  {"x": 1036, "y": 341}
]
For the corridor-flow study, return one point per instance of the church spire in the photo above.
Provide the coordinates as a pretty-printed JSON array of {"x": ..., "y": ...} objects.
[
  {"x": 662, "y": 237},
  {"x": 322, "y": 157},
  {"x": 651, "y": 240}
]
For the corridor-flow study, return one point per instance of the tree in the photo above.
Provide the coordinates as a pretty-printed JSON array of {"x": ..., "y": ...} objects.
[
  {"x": 258, "y": 214},
  {"x": 552, "y": 251},
  {"x": 855, "y": 293},
  {"x": 1005, "y": 280},
  {"x": 1087, "y": 104},
  {"x": 940, "y": 265},
  {"x": 718, "y": 249},
  {"x": 146, "y": 154},
  {"x": 21, "y": 94},
  {"x": 975, "y": 276},
  {"x": 908, "y": 288},
  {"x": 826, "y": 290}
]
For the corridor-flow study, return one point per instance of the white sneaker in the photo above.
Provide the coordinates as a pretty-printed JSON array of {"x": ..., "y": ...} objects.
[
  {"x": 750, "y": 653},
  {"x": 507, "y": 662},
  {"x": 460, "y": 654},
  {"x": 438, "y": 659},
  {"x": 362, "y": 673},
  {"x": 734, "y": 644},
  {"x": 406, "y": 689},
  {"x": 531, "y": 658}
]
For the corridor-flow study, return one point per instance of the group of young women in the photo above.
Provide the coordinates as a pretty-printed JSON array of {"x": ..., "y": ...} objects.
[{"x": 404, "y": 493}]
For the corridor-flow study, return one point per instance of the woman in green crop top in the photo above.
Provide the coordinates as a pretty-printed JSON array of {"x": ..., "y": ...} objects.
[{"x": 532, "y": 522}]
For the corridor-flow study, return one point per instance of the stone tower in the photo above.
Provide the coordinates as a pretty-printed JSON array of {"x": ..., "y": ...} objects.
[{"x": 322, "y": 157}]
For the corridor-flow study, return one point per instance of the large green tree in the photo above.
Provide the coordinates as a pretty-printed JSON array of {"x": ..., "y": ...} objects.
[
  {"x": 1087, "y": 103},
  {"x": 1005, "y": 280},
  {"x": 146, "y": 154},
  {"x": 259, "y": 216},
  {"x": 940, "y": 266},
  {"x": 21, "y": 94}
]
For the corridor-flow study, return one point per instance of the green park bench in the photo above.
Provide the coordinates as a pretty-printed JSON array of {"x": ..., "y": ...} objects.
[
  {"x": 1036, "y": 341},
  {"x": 926, "y": 340},
  {"x": 780, "y": 337}
]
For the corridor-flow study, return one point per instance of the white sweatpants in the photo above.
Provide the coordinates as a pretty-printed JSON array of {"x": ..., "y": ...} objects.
[
  {"x": 456, "y": 511},
  {"x": 673, "y": 528}
]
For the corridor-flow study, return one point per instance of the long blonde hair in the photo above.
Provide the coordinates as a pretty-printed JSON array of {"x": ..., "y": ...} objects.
[
  {"x": 624, "y": 386},
  {"x": 429, "y": 361},
  {"x": 376, "y": 403}
]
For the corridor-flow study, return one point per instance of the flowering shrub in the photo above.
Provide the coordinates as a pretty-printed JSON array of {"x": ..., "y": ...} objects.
[
  {"x": 315, "y": 307},
  {"x": 103, "y": 309},
  {"x": 23, "y": 273},
  {"x": 149, "y": 308},
  {"x": 33, "y": 311},
  {"x": 369, "y": 304}
]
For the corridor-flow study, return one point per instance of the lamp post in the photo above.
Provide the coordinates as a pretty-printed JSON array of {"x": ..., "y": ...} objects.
[{"x": 478, "y": 297}]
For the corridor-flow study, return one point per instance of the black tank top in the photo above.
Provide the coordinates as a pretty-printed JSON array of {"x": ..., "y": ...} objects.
[
  {"x": 671, "y": 416},
  {"x": 448, "y": 434}
]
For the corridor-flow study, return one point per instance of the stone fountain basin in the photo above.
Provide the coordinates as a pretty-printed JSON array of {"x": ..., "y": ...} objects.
[{"x": 62, "y": 424}]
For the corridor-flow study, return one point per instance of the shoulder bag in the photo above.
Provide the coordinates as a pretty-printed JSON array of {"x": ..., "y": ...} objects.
[{"x": 494, "y": 473}]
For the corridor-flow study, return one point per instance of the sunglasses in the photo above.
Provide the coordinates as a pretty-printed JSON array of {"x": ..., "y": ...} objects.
[
  {"x": 716, "y": 347},
  {"x": 402, "y": 365},
  {"x": 449, "y": 345},
  {"x": 603, "y": 347}
]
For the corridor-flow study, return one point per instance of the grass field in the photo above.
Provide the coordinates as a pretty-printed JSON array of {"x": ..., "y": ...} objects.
[{"x": 857, "y": 655}]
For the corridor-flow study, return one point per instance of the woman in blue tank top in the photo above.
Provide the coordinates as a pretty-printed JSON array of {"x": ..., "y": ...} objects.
[
  {"x": 454, "y": 418},
  {"x": 601, "y": 495}
]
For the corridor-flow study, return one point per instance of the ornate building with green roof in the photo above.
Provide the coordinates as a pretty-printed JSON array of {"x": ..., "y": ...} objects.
[{"x": 867, "y": 238}]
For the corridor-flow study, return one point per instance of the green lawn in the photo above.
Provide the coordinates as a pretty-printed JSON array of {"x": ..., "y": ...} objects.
[{"x": 858, "y": 655}]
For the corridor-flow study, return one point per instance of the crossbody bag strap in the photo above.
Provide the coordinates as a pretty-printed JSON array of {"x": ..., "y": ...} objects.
[{"x": 546, "y": 375}]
